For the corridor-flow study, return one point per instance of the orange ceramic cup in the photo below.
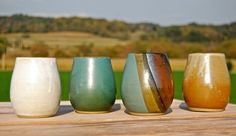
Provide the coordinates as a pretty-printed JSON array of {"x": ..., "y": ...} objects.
[{"x": 206, "y": 85}]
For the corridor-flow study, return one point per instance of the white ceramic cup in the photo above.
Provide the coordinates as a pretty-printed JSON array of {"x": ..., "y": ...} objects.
[{"x": 35, "y": 87}]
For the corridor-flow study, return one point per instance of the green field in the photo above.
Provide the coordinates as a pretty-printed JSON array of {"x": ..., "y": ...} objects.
[
  {"x": 5, "y": 77},
  {"x": 62, "y": 39}
]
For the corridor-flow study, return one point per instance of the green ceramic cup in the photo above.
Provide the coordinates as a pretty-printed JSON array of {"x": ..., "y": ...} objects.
[{"x": 92, "y": 85}]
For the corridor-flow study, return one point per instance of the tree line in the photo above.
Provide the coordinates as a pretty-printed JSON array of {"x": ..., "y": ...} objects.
[{"x": 195, "y": 33}]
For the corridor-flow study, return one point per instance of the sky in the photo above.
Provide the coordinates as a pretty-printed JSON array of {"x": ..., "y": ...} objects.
[{"x": 163, "y": 12}]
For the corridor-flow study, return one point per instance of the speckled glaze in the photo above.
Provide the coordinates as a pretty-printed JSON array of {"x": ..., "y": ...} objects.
[
  {"x": 147, "y": 85},
  {"x": 206, "y": 85},
  {"x": 92, "y": 85},
  {"x": 35, "y": 87}
]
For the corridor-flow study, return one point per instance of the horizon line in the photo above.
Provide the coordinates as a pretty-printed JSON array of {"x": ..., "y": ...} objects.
[{"x": 54, "y": 16}]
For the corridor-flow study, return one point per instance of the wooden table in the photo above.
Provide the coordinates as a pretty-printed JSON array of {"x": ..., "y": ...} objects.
[{"x": 178, "y": 121}]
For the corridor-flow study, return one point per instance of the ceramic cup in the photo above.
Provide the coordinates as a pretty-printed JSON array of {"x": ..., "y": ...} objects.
[
  {"x": 147, "y": 85},
  {"x": 35, "y": 87},
  {"x": 92, "y": 85},
  {"x": 206, "y": 85}
]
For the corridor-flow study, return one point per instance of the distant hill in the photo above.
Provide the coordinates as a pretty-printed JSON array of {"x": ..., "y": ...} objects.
[{"x": 119, "y": 29}]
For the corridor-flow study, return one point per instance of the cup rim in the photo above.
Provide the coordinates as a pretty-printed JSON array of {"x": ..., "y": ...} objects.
[
  {"x": 35, "y": 58},
  {"x": 91, "y": 57},
  {"x": 157, "y": 53},
  {"x": 206, "y": 54}
]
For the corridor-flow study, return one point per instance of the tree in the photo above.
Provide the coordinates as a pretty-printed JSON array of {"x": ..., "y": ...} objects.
[
  {"x": 3, "y": 50},
  {"x": 59, "y": 53},
  {"x": 39, "y": 50},
  {"x": 229, "y": 65},
  {"x": 85, "y": 50},
  {"x": 174, "y": 33},
  {"x": 195, "y": 36}
]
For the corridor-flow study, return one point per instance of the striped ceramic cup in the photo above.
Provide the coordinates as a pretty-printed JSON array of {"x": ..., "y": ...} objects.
[{"x": 147, "y": 85}]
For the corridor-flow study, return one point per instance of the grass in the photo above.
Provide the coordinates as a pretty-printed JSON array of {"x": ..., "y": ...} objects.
[
  {"x": 5, "y": 77},
  {"x": 65, "y": 64}
]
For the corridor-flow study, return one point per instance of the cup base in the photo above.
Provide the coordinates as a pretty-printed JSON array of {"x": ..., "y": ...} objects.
[
  {"x": 205, "y": 109},
  {"x": 91, "y": 112},
  {"x": 40, "y": 116},
  {"x": 144, "y": 114}
]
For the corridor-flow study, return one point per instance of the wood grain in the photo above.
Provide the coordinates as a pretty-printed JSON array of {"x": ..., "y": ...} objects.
[{"x": 178, "y": 121}]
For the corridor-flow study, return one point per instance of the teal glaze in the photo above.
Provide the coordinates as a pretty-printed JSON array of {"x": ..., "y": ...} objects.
[
  {"x": 92, "y": 84},
  {"x": 131, "y": 92}
]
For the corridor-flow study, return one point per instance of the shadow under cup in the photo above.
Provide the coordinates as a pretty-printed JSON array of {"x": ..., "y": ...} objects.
[
  {"x": 92, "y": 85},
  {"x": 206, "y": 85}
]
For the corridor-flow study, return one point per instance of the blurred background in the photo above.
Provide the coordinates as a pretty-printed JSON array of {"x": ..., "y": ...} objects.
[{"x": 68, "y": 28}]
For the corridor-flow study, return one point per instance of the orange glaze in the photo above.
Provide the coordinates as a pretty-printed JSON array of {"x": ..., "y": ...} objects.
[{"x": 198, "y": 94}]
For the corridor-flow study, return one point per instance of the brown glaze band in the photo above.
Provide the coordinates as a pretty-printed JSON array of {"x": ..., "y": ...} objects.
[
  {"x": 160, "y": 68},
  {"x": 153, "y": 86},
  {"x": 156, "y": 97},
  {"x": 148, "y": 97}
]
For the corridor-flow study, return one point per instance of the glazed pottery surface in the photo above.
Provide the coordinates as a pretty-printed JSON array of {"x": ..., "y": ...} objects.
[
  {"x": 92, "y": 85},
  {"x": 35, "y": 87},
  {"x": 206, "y": 85},
  {"x": 147, "y": 84}
]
